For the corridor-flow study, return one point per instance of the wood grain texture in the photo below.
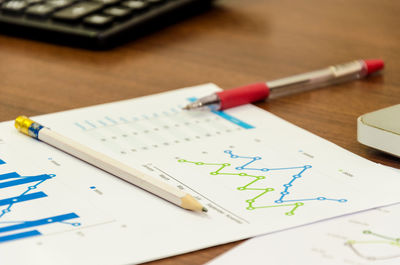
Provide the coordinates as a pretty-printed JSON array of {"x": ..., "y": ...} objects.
[{"x": 235, "y": 43}]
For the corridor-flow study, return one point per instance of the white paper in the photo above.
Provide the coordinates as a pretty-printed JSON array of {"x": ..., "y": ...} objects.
[
  {"x": 368, "y": 238},
  {"x": 255, "y": 173}
]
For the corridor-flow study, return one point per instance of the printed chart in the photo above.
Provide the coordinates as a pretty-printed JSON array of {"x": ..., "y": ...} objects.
[
  {"x": 35, "y": 202},
  {"x": 367, "y": 238},
  {"x": 14, "y": 180},
  {"x": 254, "y": 172},
  {"x": 260, "y": 174},
  {"x": 154, "y": 130},
  {"x": 243, "y": 173},
  {"x": 374, "y": 246},
  {"x": 259, "y": 179}
]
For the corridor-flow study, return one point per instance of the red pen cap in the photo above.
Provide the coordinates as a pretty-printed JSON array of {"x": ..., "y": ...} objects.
[{"x": 374, "y": 65}]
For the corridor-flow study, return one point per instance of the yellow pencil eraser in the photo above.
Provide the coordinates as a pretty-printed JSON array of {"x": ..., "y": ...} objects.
[
  {"x": 22, "y": 123},
  {"x": 381, "y": 130}
]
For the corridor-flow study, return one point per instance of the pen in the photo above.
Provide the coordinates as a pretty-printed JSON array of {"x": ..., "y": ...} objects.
[
  {"x": 286, "y": 86},
  {"x": 108, "y": 164}
]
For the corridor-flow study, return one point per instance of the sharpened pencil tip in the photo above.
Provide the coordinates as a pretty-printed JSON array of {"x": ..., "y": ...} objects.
[{"x": 204, "y": 209}]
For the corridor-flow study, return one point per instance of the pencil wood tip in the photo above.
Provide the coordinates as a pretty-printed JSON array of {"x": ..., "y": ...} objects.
[{"x": 190, "y": 203}]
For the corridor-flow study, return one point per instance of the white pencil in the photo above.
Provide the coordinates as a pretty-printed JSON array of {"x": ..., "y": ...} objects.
[{"x": 108, "y": 164}]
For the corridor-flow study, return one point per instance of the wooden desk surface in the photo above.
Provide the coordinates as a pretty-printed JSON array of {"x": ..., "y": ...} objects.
[{"x": 236, "y": 43}]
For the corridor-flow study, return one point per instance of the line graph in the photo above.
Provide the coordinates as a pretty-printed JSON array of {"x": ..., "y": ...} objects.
[
  {"x": 12, "y": 227},
  {"x": 371, "y": 252},
  {"x": 249, "y": 165}
]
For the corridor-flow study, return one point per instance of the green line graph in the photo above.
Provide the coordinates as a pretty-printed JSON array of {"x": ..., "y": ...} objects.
[
  {"x": 392, "y": 244},
  {"x": 282, "y": 201}
]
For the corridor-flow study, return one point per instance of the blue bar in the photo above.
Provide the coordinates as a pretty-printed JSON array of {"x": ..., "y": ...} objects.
[
  {"x": 11, "y": 175},
  {"x": 23, "y": 181},
  {"x": 102, "y": 123},
  {"x": 39, "y": 222},
  {"x": 2, "y": 162},
  {"x": 228, "y": 117},
  {"x": 80, "y": 125},
  {"x": 22, "y": 198},
  {"x": 19, "y": 236},
  {"x": 110, "y": 119},
  {"x": 233, "y": 119},
  {"x": 90, "y": 123}
]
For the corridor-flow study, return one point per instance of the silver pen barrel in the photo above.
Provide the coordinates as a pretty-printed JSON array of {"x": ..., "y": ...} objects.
[{"x": 316, "y": 79}]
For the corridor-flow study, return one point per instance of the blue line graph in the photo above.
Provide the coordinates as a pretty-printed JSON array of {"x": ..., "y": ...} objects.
[
  {"x": 19, "y": 180},
  {"x": 13, "y": 179},
  {"x": 286, "y": 188}
]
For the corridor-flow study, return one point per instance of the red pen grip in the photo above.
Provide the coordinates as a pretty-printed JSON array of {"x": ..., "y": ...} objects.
[{"x": 243, "y": 95}]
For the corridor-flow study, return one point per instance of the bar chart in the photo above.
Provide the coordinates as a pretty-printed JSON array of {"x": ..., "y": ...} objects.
[{"x": 26, "y": 190}]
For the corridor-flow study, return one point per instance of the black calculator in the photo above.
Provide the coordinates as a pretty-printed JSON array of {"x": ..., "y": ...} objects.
[{"x": 93, "y": 24}]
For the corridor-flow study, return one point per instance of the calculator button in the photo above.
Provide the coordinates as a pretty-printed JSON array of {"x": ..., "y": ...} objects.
[
  {"x": 40, "y": 10},
  {"x": 77, "y": 11},
  {"x": 97, "y": 20},
  {"x": 117, "y": 12},
  {"x": 14, "y": 6},
  {"x": 135, "y": 5},
  {"x": 60, "y": 3}
]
